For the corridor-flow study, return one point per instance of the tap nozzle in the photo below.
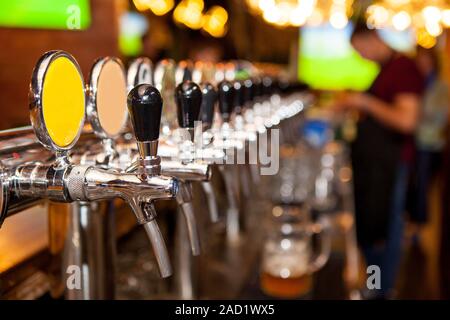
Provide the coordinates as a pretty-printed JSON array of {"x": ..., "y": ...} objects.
[
  {"x": 248, "y": 91},
  {"x": 188, "y": 96},
  {"x": 239, "y": 97},
  {"x": 145, "y": 108},
  {"x": 226, "y": 100},
  {"x": 209, "y": 100}
]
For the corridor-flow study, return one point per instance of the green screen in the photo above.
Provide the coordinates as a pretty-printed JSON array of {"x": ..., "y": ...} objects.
[
  {"x": 45, "y": 14},
  {"x": 327, "y": 60}
]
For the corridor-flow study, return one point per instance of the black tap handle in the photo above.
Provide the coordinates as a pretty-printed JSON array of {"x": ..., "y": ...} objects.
[
  {"x": 267, "y": 85},
  {"x": 239, "y": 97},
  {"x": 248, "y": 90},
  {"x": 283, "y": 86},
  {"x": 226, "y": 100},
  {"x": 183, "y": 71},
  {"x": 209, "y": 99},
  {"x": 275, "y": 85},
  {"x": 188, "y": 97},
  {"x": 257, "y": 87},
  {"x": 145, "y": 107}
]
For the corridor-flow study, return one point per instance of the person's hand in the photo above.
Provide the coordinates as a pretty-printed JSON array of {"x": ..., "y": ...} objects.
[{"x": 356, "y": 101}]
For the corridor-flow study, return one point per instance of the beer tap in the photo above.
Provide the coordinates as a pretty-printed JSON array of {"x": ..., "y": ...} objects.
[
  {"x": 57, "y": 111},
  {"x": 208, "y": 153},
  {"x": 271, "y": 100},
  {"x": 140, "y": 71},
  {"x": 230, "y": 174},
  {"x": 188, "y": 100},
  {"x": 178, "y": 161},
  {"x": 207, "y": 110},
  {"x": 250, "y": 128},
  {"x": 164, "y": 80},
  {"x": 242, "y": 137},
  {"x": 207, "y": 116},
  {"x": 249, "y": 95},
  {"x": 93, "y": 223},
  {"x": 173, "y": 151},
  {"x": 226, "y": 105},
  {"x": 257, "y": 105},
  {"x": 184, "y": 71},
  {"x": 145, "y": 108}
]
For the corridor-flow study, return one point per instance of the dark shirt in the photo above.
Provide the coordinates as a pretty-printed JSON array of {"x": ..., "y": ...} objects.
[
  {"x": 378, "y": 150},
  {"x": 398, "y": 75}
]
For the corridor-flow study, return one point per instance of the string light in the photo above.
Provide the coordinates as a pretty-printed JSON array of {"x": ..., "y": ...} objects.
[
  {"x": 377, "y": 16},
  {"x": 215, "y": 21},
  {"x": 285, "y": 9},
  {"x": 433, "y": 28},
  {"x": 316, "y": 18},
  {"x": 401, "y": 21},
  {"x": 445, "y": 18},
  {"x": 272, "y": 15},
  {"x": 158, "y": 7},
  {"x": 427, "y": 21},
  {"x": 338, "y": 14},
  {"x": 431, "y": 14},
  {"x": 142, "y": 5},
  {"x": 161, "y": 7},
  {"x": 338, "y": 19},
  {"x": 425, "y": 40},
  {"x": 253, "y": 6},
  {"x": 295, "y": 13},
  {"x": 189, "y": 13}
]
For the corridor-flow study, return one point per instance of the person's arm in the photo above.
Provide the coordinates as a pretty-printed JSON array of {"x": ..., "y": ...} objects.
[{"x": 402, "y": 115}]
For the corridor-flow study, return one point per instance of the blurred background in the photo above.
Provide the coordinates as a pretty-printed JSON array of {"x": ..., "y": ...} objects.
[{"x": 309, "y": 38}]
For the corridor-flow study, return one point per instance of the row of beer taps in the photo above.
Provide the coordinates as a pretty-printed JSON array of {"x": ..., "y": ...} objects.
[{"x": 186, "y": 118}]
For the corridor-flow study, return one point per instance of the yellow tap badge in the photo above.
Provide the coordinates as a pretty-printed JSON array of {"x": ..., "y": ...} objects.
[{"x": 63, "y": 101}]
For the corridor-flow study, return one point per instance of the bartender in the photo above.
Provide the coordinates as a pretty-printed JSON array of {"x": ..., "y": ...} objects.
[{"x": 382, "y": 151}]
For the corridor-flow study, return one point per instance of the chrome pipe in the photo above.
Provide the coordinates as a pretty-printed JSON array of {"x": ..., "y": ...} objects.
[
  {"x": 212, "y": 201},
  {"x": 232, "y": 216},
  {"x": 85, "y": 249}
]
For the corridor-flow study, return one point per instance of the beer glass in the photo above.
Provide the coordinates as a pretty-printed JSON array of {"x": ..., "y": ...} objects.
[{"x": 289, "y": 256}]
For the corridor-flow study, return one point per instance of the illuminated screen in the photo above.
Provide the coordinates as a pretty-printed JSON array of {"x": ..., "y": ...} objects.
[
  {"x": 45, "y": 14},
  {"x": 328, "y": 61},
  {"x": 133, "y": 26}
]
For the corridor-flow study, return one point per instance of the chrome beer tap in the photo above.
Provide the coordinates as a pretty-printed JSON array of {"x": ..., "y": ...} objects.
[
  {"x": 93, "y": 223},
  {"x": 208, "y": 152},
  {"x": 250, "y": 128},
  {"x": 188, "y": 98},
  {"x": 226, "y": 142},
  {"x": 145, "y": 108},
  {"x": 164, "y": 81},
  {"x": 63, "y": 181},
  {"x": 191, "y": 168},
  {"x": 242, "y": 136},
  {"x": 177, "y": 161},
  {"x": 140, "y": 71}
]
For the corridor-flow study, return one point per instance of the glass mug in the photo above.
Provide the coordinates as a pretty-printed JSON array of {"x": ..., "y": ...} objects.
[
  {"x": 326, "y": 185},
  {"x": 295, "y": 181},
  {"x": 289, "y": 257}
]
